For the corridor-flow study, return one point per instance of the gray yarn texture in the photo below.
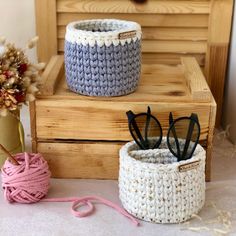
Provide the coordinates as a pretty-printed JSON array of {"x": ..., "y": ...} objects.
[{"x": 103, "y": 71}]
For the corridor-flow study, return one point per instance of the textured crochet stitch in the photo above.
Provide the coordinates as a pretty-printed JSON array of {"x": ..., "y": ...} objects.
[
  {"x": 98, "y": 61},
  {"x": 152, "y": 188}
]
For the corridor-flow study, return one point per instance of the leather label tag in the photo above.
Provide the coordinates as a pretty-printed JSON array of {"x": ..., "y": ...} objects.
[
  {"x": 126, "y": 35},
  {"x": 189, "y": 166}
]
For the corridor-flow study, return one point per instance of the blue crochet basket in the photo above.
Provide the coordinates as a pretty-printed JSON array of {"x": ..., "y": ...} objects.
[{"x": 103, "y": 57}]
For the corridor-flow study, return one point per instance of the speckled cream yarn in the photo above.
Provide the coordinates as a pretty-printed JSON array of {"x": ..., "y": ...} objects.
[
  {"x": 100, "y": 63},
  {"x": 152, "y": 188}
]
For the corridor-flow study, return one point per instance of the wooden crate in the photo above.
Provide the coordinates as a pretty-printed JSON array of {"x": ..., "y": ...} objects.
[
  {"x": 171, "y": 29},
  {"x": 80, "y": 136}
]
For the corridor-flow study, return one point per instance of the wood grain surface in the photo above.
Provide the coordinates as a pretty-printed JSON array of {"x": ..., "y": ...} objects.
[
  {"x": 88, "y": 160},
  {"x": 217, "y": 50},
  {"x": 122, "y": 6},
  {"x": 51, "y": 75},
  {"x": 164, "y": 88},
  {"x": 145, "y": 20},
  {"x": 46, "y": 27},
  {"x": 160, "y": 33},
  {"x": 196, "y": 81}
]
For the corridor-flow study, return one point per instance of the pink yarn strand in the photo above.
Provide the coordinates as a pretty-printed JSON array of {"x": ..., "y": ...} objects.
[
  {"x": 87, "y": 201},
  {"x": 28, "y": 182}
]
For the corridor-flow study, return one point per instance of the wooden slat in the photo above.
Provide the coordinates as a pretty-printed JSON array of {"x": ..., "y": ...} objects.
[
  {"x": 217, "y": 65},
  {"x": 172, "y": 87},
  {"x": 219, "y": 31},
  {"x": 210, "y": 140},
  {"x": 193, "y": 34},
  {"x": 149, "y": 20},
  {"x": 220, "y": 21},
  {"x": 90, "y": 160},
  {"x": 87, "y": 159},
  {"x": 119, "y": 6},
  {"x": 46, "y": 28},
  {"x": 195, "y": 79},
  {"x": 173, "y": 46},
  {"x": 169, "y": 58},
  {"x": 52, "y": 73},
  {"x": 105, "y": 120},
  {"x": 217, "y": 50},
  {"x": 33, "y": 125},
  {"x": 157, "y": 83},
  {"x": 153, "y": 46}
]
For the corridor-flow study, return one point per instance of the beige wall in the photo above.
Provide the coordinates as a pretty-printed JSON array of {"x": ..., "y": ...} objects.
[{"x": 17, "y": 22}]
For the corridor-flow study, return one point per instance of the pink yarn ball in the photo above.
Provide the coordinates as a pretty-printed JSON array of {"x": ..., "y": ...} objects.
[{"x": 27, "y": 182}]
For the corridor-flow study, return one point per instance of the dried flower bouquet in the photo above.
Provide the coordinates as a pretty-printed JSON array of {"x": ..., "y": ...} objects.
[{"x": 19, "y": 78}]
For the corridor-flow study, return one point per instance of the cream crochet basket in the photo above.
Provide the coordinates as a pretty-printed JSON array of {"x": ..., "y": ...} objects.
[{"x": 154, "y": 187}]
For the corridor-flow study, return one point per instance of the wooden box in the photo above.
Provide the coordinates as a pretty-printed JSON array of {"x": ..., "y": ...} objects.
[
  {"x": 171, "y": 29},
  {"x": 80, "y": 136}
]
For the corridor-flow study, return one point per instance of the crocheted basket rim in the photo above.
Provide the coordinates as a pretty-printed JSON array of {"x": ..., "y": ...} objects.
[
  {"x": 199, "y": 155},
  {"x": 81, "y": 31}
]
